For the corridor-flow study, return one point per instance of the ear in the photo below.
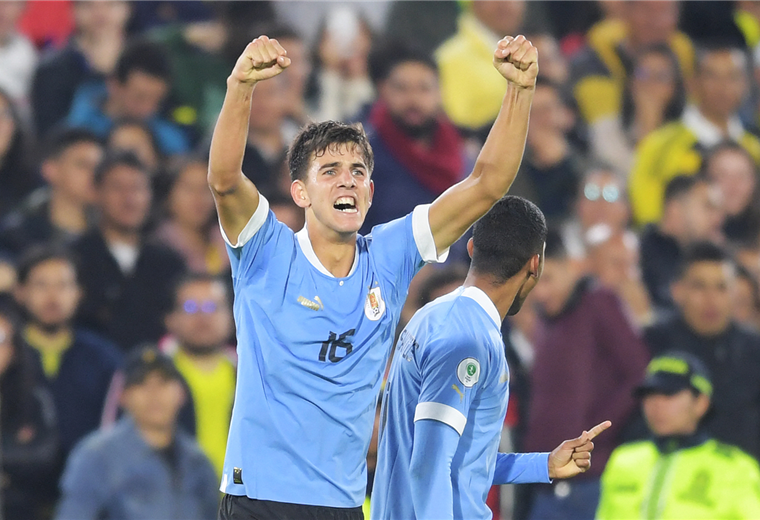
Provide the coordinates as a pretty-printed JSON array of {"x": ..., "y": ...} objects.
[
  {"x": 702, "y": 405},
  {"x": 534, "y": 266},
  {"x": 49, "y": 171},
  {"x": 371, "y": 191},
  {"x": 470, "y": 247},
  {"x": 299, "y": 194}
]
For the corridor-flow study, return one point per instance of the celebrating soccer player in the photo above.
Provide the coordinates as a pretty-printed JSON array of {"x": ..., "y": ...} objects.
[
  {"x": 446, "y": 396},
  {"x": 316, "y": 310}
]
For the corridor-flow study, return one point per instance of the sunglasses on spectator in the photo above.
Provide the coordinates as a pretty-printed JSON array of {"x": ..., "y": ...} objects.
[
  {"x": 608, "y": 192},
  {"x": 195, "y": 306}
]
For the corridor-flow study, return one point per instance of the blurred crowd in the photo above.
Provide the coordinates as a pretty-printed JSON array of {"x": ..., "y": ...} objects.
[{"x": 117, "y": 360}]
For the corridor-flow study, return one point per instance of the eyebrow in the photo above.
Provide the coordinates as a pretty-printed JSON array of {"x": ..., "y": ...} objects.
[{"x": 338, "y": 163}]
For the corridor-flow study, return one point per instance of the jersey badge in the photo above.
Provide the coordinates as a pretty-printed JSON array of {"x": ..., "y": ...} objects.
[
  {"x": 374, "y": 307},
  {"x": 468, "y": 372}
]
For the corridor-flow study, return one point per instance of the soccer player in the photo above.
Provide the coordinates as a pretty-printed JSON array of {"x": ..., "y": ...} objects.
[
  {"x": 315, "y": 311},
  {"x": 446, "y": 396}
]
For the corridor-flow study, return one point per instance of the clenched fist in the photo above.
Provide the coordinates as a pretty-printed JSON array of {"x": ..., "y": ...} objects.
[
  {"x": 517, "y": 60},
  {"x": 262, "y": 59}
]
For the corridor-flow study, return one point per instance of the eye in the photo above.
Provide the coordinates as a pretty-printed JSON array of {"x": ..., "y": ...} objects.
[
  {"x": 359, "y": 172},
  {"x": 329, "y": 172}
]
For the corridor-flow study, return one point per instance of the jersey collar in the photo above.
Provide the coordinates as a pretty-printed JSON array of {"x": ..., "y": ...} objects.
[
  {"x": 311, "y": 256},
  {"x": 484, "y": 301}
]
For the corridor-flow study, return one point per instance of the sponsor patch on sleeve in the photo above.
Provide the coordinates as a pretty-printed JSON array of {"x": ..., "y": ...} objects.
[{"x": 468, "y": 372}]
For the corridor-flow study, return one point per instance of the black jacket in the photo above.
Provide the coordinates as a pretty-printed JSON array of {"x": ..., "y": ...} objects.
[
  {"x": 733, "y": 359},
  {"x": 127, "y": 309}
]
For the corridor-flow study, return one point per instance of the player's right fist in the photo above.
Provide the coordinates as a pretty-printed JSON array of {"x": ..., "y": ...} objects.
[{"x": 262, "y": 59}]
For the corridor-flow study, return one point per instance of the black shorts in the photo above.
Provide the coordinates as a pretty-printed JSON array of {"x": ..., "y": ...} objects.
[{"x": 244, "y": 508}]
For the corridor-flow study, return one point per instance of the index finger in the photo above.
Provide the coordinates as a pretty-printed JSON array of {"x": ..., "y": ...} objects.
[
  {"x": 278, "y": 47},
  {"x": 599, "y": 428}
]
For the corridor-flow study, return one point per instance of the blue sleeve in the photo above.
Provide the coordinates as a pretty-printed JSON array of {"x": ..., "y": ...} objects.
[
  {"x": 433, "y": 450},
  {"x": 261, "y": 239},
  {"x": 84, "y": 491},
  {"x": 400, "y": 248},
  {"x": 451, "y": 367},
  {"x": 521, "y": 468}
]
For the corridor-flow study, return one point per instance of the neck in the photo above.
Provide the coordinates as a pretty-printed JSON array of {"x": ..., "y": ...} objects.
[
  {"x": 51, "y": 334},
  {"x": 502, "y": 295},
  {"x": 206, "y": 360},
  {"x": 719, "y": 120},
  {"x": 335, "y": 251},
  {"x": 156, "y": 436},
  {"x": 115, "y": 234},
  {"x": 67, "y": 214}
]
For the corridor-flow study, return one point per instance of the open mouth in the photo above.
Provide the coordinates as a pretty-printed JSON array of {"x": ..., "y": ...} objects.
[{"x": 346, "y": 205}]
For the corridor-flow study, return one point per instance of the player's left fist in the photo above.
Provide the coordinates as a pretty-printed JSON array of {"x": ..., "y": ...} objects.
[{"x": 517, "y": 60}]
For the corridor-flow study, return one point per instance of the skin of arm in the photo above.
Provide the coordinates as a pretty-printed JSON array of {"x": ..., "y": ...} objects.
[
  {"x": 235, "y": 195},
  {"x": 452, "y": 214}
]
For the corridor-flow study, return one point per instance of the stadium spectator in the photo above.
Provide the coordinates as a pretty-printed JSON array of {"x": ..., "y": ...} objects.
[
  {"x": 600, "y": 199},
  {"x": 76, "y": 365},
  {"x": 89, "y": 57},
  {"x": 600, "y": 72},
  {"x": 746, "y": 300},
  {"x": 199, "y": 326},
  {"x": 613, "y": 259},
  {"x": 654, "y": 95},
  {"x": 267, "y": 143},
  {"x": 126, "y": 280},
  {"x": 131, "y": 135},
  {"x": 734, "y": 171},
  {"x": 693, "y": 212},
  {"x": 18, "y": 57},
  {"x": 588, "y": 359},
  {"x": 704, "y": 327},
  {"x": 294, "y": 84},
  {"x": 144, "y": 467},
  {"x": 29, "y": 429},
  {"x": 551, "y": 167},
  {"x": 718, "y": 88},
  {"x": 136, "y": 89},
  {"x": 340, "y": 83},
  {"x": 705, "y": 478},
  {"x": 190, "y": 225},
  {"x": 426, "y": 26},
  {"x": 16, "y": 177},
  {"x": 465, "y": 60},
  {"x": 61, "y": 212},
  {"x": 418, "y": 151}
]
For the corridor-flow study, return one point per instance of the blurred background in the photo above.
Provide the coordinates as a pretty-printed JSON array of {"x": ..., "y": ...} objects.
[{"x": 642, "y": 152}]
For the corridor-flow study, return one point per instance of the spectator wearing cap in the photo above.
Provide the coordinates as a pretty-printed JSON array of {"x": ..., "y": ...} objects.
[
  {"x": 681, "y": 471},
  {"x": 704, "y": 327},
  {"x": 144, "y": 467}
]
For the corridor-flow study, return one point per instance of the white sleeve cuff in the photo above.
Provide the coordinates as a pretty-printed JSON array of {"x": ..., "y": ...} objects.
[
  {"x": 423, "y": 235},
  {"x": 254, "y": 224},
  {"x": 442, "y": 413}
]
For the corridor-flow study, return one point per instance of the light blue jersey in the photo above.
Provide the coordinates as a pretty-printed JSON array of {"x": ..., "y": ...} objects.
[
  {"x": 450, "y": 367},
  {"x": 311, "y": 352}
]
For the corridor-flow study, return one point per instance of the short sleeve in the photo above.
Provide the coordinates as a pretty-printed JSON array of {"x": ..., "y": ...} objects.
[
  {"x": 401, "y": 247},
  {"x": 258, "y": 242},
  {"x": 451, "y": 371}
]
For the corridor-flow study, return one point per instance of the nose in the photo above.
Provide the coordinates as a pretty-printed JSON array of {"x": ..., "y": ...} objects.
[{"x": 347, "y": 179}]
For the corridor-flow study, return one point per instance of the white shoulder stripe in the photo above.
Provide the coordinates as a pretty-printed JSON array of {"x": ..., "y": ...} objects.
[
  {"x": 254, "y": 224},
  {"x": 443, "y": 413},
  {"x": 423, "y": 235}
]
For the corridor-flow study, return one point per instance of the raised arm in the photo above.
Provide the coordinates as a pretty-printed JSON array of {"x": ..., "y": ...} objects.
[
  {"x": 235, "y": 195},
  {"x": 459, "y": 207}
]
